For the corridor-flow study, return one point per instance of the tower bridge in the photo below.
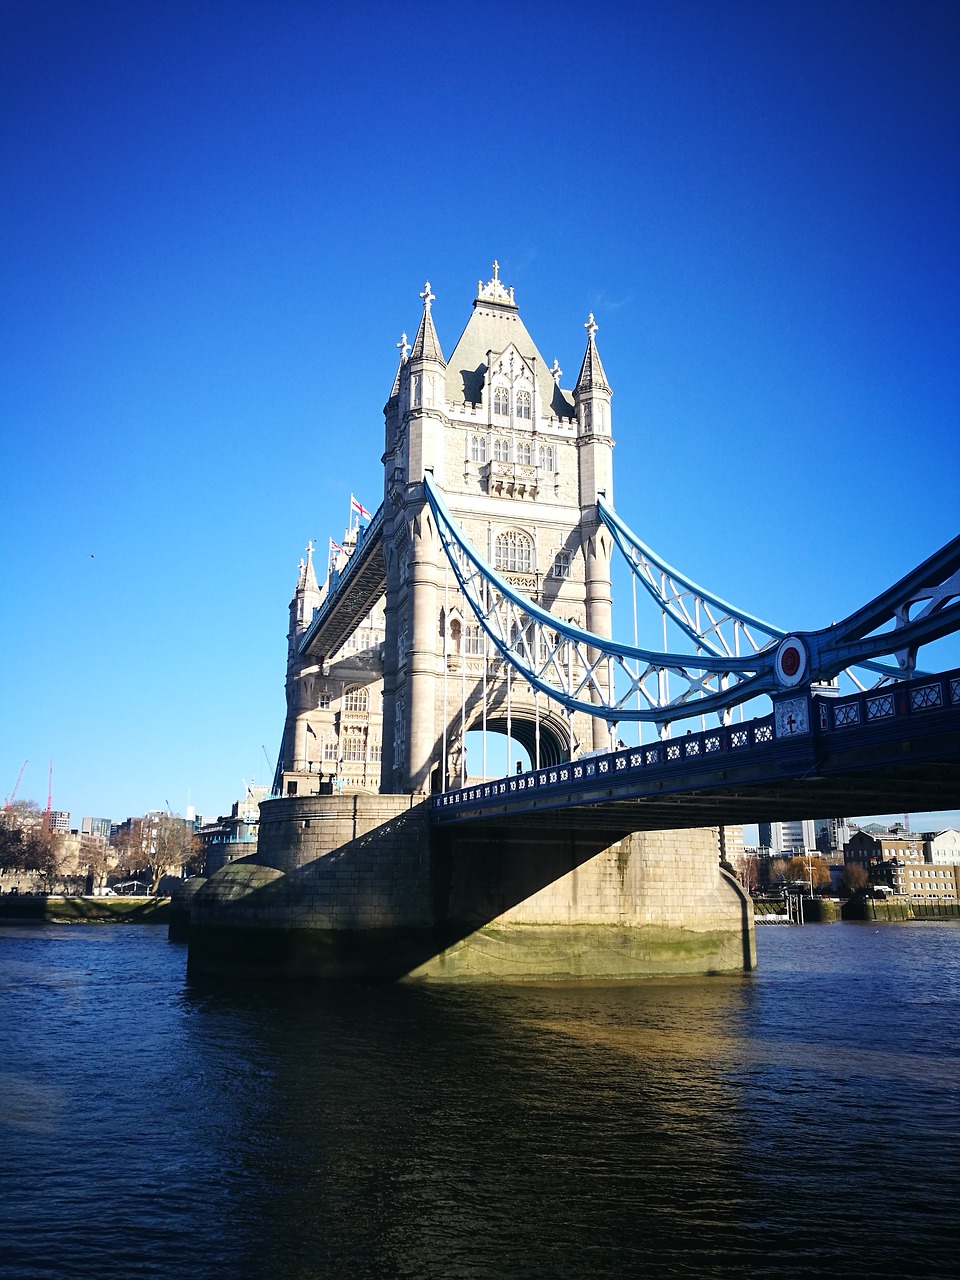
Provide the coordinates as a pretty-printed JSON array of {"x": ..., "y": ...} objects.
[{"x": 479, "y": 597}]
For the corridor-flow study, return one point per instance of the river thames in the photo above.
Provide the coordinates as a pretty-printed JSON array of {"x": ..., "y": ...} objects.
[{"x": 799, "y": 1121}]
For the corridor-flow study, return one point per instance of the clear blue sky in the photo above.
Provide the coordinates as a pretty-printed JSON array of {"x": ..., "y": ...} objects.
[{"x": 216, "y": 220}]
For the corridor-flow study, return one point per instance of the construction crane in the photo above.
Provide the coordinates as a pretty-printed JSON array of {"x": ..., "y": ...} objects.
[
  {"x": 13, "y": 794},
  {"x": 50, "y": 789}
]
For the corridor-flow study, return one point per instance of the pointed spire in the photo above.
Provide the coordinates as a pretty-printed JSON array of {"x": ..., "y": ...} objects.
[
  {"x": 404, "y": 348},
  {"x": 592, "y": 376},
  {"x": 307, "y": 580},
  {"x": 426, "y": 345}
]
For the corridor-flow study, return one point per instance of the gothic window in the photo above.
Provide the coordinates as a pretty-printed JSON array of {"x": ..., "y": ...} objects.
[
  {"x": 323, "y": 702},
  {"x": 548, "y": 457},
  {"x": 524, "y": 452},
  {"x": 330, "y": 751},
  {"x": 376, "y": 753},
  {"x": 561, "y": 564},
  {"x": 478, "y": 449},
  {"x": 472, "y": 639},
  {"x": 501, "y": 451},
  {"x": 501, "y": 400},
  {"x": 355, "y": 700},
  {"x": 514, "y": 551},
  {"x": 354, "y": 743},
  {"x": 455, "y": 636},
  {"x": 524, "y": 404},
  {"x": 416, "y": 392}
]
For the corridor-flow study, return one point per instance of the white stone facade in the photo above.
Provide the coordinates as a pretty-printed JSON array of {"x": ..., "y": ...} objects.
[{"x": 521, "y": 462}]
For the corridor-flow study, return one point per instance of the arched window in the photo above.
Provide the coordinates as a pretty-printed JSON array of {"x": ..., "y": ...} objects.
[
  {"x": 478, "y": 449},
  {"x": 561, "y": 564},
  {"x": 501, "y": 400},
  {"x": 455, "y": 631},
  {"x": 356, "y": 700},
  {"x": 514, "y": 551},
  {"x": 548, "y": 457},
  {"x": 501, "y": 451},
  {"x": 524, "y": 404},
  {"x": 524, "y": 453},
  {"x": 354, "y": 744}
]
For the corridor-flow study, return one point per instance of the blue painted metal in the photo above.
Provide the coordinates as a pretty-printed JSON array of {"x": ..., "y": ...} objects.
[
  {"x": 896, "y": 712},
  {"x": 521, "y": 632},
  {"x": 646, "y": 564}
]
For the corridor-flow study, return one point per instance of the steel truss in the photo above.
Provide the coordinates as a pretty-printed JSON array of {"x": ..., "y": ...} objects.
[
  {"x": 612, "y": 681},
  {"x": 710, "y": 622}
]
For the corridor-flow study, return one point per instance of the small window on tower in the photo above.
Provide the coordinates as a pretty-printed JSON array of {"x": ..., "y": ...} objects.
[
  {"x": 524, "y": 404},
  {"x": 524, "y": 452},
  {"x": 323, "y": 702},
  {"x": 548, "y": 457},
  {"x": 478, "y": 449},
  {"x": 472, "y": 639},
  {"x": 561, "y": 564},
  {"x": 501, "y": 451},
  {"x": 501, "y": 401}
]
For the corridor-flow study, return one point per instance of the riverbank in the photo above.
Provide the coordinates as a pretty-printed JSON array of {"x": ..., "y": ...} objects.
[{"x": 56, "y": 909}]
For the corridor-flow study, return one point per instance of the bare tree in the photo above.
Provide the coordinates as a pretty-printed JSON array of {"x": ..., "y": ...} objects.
[
  {"x": 855, "y": 877},
  {"x": 160, "y": 843},
  {"x": 26, "y": 841}
]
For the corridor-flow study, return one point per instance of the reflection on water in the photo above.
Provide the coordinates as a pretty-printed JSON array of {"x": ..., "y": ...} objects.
[{"x": 799, "y": 1121}]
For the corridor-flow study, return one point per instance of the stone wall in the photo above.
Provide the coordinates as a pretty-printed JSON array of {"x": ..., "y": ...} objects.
[{"x": 361, "y": 885}]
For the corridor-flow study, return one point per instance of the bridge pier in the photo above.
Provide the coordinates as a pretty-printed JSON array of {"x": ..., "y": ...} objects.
[{"x": 363, "y": 886}]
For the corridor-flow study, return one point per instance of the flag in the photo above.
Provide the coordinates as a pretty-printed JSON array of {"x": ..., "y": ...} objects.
[
  {"x": 310, "y": 729},
  {"x": 359, "y": 508}
]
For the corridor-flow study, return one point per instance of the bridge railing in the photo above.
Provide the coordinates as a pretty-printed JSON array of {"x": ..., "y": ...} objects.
[{"x": 803, "y": 715}]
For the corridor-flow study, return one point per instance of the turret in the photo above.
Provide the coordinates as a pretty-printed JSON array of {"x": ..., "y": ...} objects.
[
  {"x": 592, "y": 396},
  {"x": 426, "y": 373},
  {"x": 595, "y": 446},
  {"x": 306, "y": 599}
]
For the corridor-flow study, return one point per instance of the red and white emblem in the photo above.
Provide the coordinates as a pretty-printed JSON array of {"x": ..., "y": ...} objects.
[{"x": 791, "y": 662}]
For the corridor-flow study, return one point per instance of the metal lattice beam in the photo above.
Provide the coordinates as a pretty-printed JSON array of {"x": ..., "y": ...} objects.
[{"x": 600, "y": 677}]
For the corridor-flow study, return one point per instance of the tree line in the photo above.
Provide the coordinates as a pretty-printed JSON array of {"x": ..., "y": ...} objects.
[{"x": 144, "y": 848}]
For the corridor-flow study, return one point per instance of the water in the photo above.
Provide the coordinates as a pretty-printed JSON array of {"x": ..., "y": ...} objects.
[{"x": 800, "y": 1121}]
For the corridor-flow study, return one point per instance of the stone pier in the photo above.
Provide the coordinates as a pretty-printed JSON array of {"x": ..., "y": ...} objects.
[{"x": 361, "y": 886}]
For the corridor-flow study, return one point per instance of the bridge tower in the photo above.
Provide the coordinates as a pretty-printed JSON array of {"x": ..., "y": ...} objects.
[{"x": 521, "y": 462}]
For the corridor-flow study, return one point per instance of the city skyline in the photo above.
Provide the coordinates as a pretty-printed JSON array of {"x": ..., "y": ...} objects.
[{"x": 216, "y": 233}]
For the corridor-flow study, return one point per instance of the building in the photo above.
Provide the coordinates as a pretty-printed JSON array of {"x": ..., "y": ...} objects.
[
  {"x": 905, "y": 864},
  {"x": 235, "y": 836},
  {"x": 96, "y": 827},
  {"x": 942, "y": 848},
  {"x": 788, "y": 837},
  {"x": 58, "y": 820},
  {"x": 832, "y": 834}
]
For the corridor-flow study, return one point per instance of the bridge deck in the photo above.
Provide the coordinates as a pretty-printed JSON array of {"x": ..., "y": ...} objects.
[{"x": 895, "y": 749}]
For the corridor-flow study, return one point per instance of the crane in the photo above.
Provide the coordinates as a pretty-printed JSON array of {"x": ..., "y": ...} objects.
[{"x": 13, "y": 793}]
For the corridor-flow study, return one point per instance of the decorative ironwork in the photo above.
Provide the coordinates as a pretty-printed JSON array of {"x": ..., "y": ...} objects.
[
  {"x": 927, "y": 696},
  {"x": 845, "y": 715},
  {"x": 612, "y": 681},
  {"x": 880, "y": 706}
]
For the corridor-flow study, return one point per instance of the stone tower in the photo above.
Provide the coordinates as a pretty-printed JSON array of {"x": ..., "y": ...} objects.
[{"x": 521, "y": 462}]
